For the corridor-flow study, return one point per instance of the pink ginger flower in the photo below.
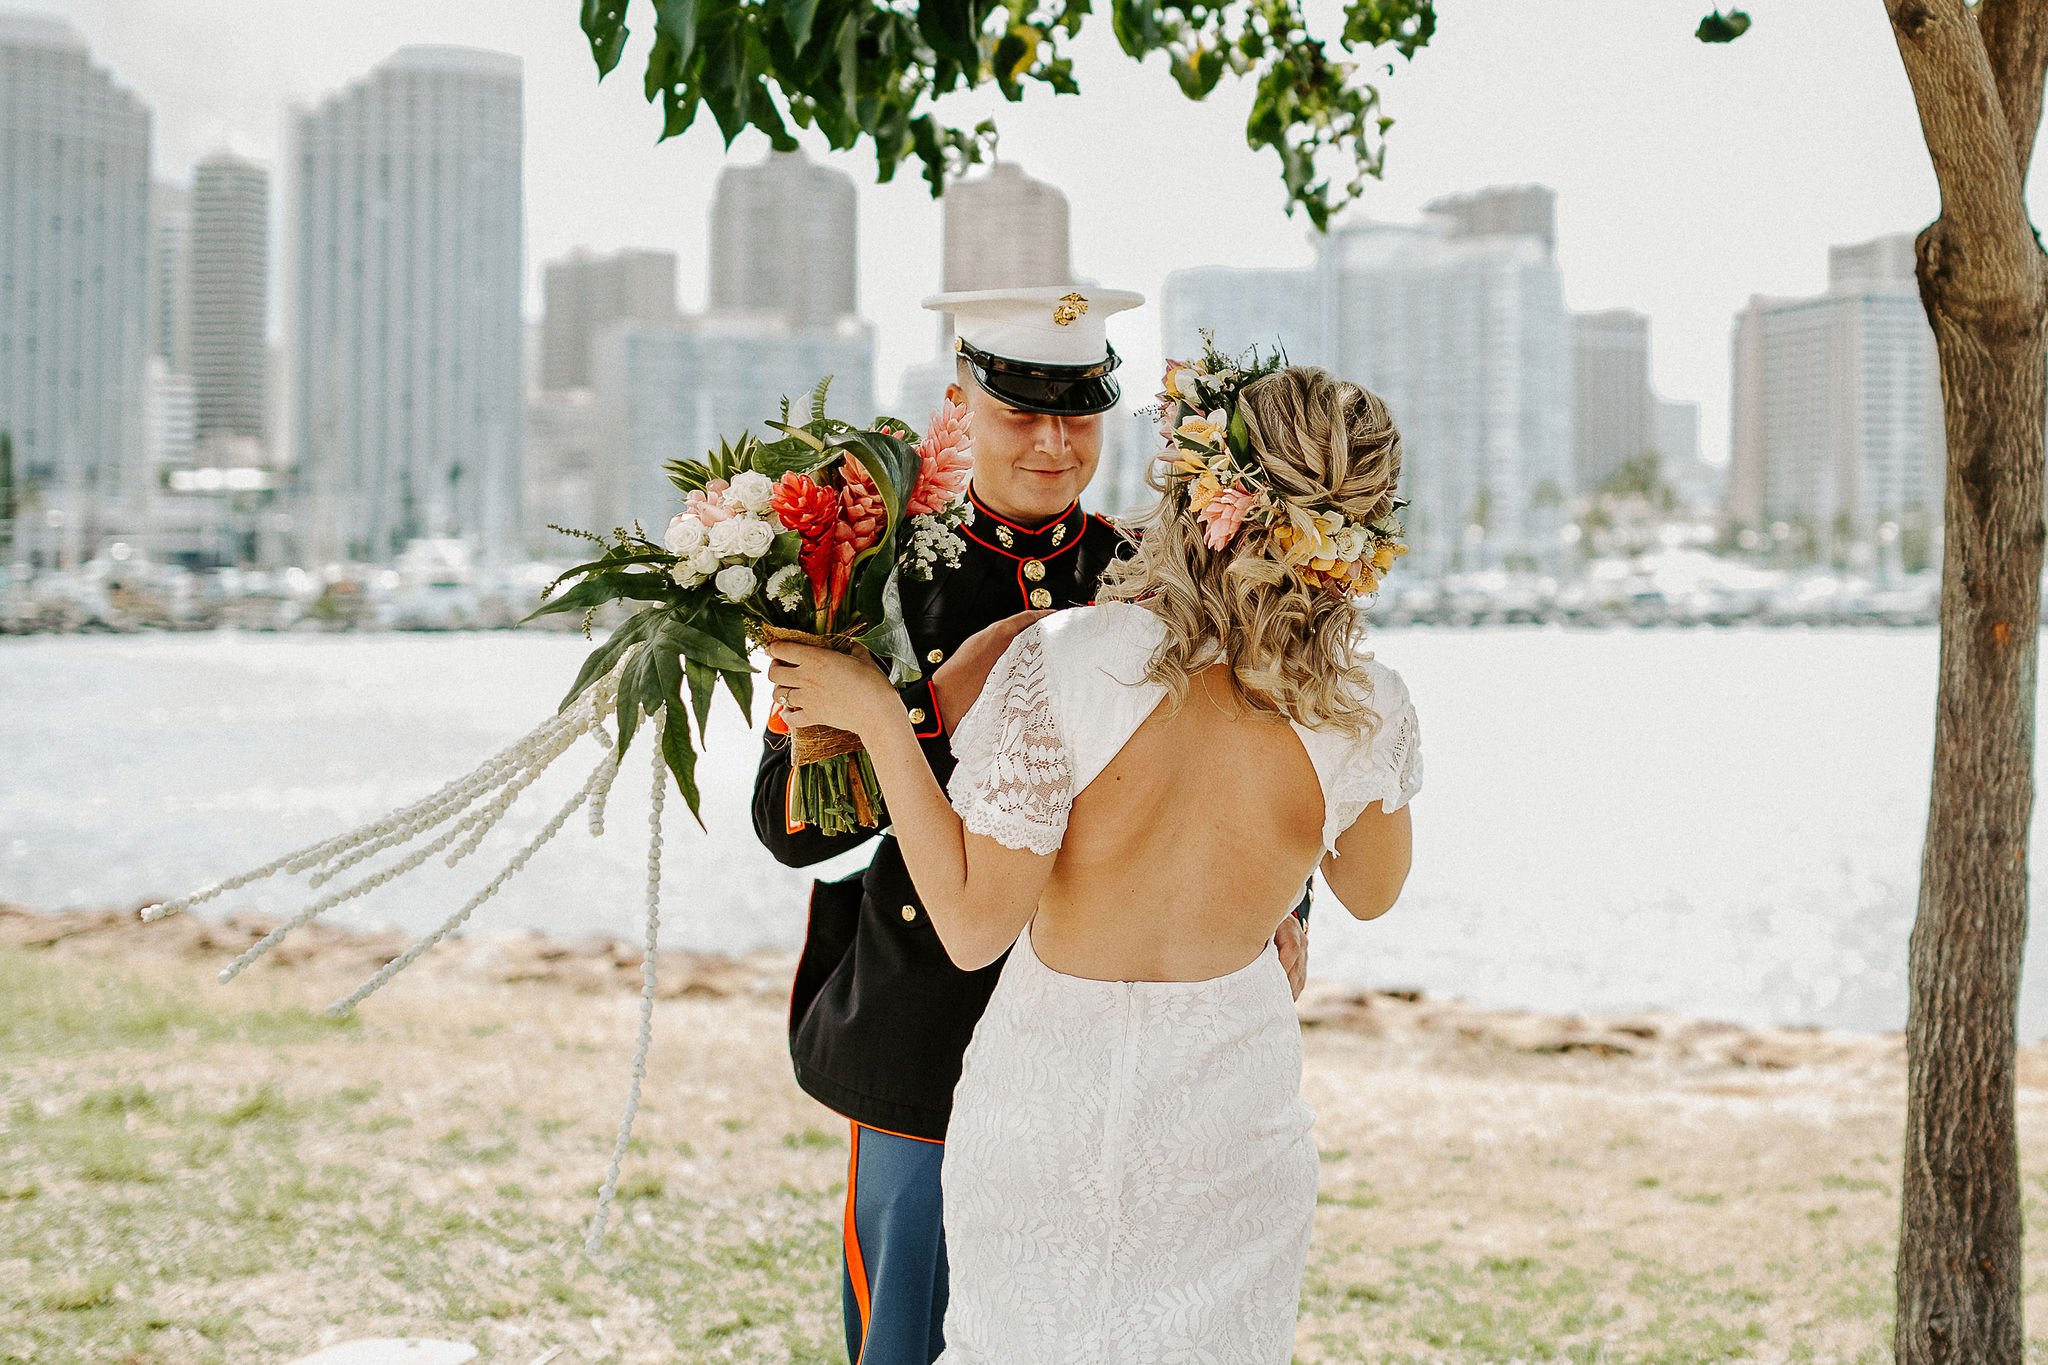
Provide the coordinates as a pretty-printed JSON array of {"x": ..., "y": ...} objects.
[
  {"x": 861, "y": 520},
  {"x": 709, "y": 506},
  {"x": 1223, "y": 514},
  {"x": 945, "y": 459}
]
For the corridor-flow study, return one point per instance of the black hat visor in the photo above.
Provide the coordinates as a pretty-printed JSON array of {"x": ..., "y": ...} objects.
[{"x": 1060, "y": 390}]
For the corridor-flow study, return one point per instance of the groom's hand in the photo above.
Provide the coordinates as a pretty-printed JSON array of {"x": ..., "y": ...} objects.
[
  {"x": 960, "y": 679},
  {"x": 1292, "y": 940}
]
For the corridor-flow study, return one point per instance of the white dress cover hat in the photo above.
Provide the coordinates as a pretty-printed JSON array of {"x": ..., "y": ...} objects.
[{"x": 1043, "y": 348}]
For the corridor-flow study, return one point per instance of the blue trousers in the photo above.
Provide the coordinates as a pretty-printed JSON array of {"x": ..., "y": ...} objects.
[{"x": 894, "y": 1289}]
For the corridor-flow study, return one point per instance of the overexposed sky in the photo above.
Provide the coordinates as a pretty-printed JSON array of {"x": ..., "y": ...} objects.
[{"x": 1689, "y": 176}]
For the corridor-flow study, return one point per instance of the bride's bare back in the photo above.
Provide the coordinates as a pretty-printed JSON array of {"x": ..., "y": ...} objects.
[{"x": 1183, "y": 855}]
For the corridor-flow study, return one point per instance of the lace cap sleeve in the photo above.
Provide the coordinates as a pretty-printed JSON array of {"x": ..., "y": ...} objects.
[
  {"x": 1388, "y": 769},
  {"x": 1014, "y": 778}
]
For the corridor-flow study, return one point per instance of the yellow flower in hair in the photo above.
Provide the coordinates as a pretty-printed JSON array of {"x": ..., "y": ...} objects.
[
  {"x": 1208, "y": 431},
  {"x": 1314, "y": 543},
  {"x": 1383, "y": 556},
  {"x": 1179, "y": 382},
  {"x": 1204, "y": 491}
]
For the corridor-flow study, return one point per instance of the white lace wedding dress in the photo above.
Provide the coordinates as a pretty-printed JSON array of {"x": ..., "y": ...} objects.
[{"x": 1129, "y": 1175}]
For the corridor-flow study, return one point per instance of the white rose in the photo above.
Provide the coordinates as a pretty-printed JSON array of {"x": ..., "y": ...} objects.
[
  {"x": 704, "y": 559},
  {"x": 684, "y": 575},
  {"x": 756, "y": 538},
  {"x": 736, "y": 582},
  {"x": 685, "y": 533},
  {"x": 750, "y": 491},
  {"x": 727, "y": 535}
]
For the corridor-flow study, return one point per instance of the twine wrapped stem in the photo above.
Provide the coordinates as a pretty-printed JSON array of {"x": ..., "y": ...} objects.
[{"x": 815, "y": 744}]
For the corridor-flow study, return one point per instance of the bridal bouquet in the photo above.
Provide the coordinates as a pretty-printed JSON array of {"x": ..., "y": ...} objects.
[{"x": 799, "y": 538}]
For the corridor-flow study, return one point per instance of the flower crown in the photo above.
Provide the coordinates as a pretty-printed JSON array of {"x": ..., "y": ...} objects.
[{"x": 1210, "y": 467}]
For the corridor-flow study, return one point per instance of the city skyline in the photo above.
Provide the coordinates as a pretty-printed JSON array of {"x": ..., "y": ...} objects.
[{"x": 1680, "y": 220}]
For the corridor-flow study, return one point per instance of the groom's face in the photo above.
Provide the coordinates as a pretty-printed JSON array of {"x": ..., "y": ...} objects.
[{"x": 1027, "y": 465}]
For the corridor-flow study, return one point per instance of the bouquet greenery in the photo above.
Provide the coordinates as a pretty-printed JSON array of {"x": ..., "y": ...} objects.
[{"x": 804, "y": 538}]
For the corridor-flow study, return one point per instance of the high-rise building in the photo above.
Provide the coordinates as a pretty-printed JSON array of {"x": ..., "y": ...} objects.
[
  {"x": 1003, "y": 230},
  {"x": 229, "y": 275},
  {"x": 74, "y": 285},
  {"x": 1499, "y": 211},
  {"x": 675, "y": 390},
  {"x": 1613, "y": 415},
  {"x": 1272, "y": 307},
  {"x": 1836, "y": 422},
  {"x": 170, "y": 415},
  {"x": 583, "y": 293},
  {"x": 405, "y": 264},
  {"x": 170, "y": 283},
  {"x": 1459, "y": 324},
  {"x": 783, "y": 241}
]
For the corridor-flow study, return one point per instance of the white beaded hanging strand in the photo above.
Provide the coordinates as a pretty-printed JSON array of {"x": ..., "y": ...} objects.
[
  {"x": 595, "y": 1239},
  {"x": 363, "y": 887},
  {"x": 412, "y": 819},
  {"x": 489, "y": 889},
  {"x": 604, "y": 788}
]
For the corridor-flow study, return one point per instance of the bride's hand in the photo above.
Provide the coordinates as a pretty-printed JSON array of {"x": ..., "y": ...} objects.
[
  {"x": 1292, "y": 940},
  {"x": 819, "y": 686}
]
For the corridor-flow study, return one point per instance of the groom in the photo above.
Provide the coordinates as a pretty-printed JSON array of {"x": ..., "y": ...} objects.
[{"x": 879, "y": 1016}]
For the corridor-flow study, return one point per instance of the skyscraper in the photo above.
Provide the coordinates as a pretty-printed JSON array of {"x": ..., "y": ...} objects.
[
  {"x": 783, "y": 241},
  {"x": 1003, "y": 230},
  {"x": 675, "y": 390},
  {"x": 405, "y": 263},
  {"x": 1459, "y": 324},
  {"x": 582, "y": 293},
  {"x": 1836, "y": 422},
  {"x": 170, "y": 289},
  {"x": 74, "y": 283},
  {"x": 230, "y": 273},
  {"x": 1613, "y": 413}
]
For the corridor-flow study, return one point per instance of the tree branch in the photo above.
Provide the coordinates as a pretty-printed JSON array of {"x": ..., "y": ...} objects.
[
  {"x": 1969, "y": 141},
  {"x": 2015, "y": 34}
]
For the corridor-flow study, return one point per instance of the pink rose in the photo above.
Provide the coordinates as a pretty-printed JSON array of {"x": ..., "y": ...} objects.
[{"x": 709, "y": 506}]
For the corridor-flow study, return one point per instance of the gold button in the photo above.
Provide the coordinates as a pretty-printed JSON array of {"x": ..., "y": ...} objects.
[
  {"x": 1040, "y": 598},
  {"x": 1034, "y": 570},
  {"x": 935, "y": 656},
  {"x": 917, "y": 715},
  {"x": 909, "y": 912}
]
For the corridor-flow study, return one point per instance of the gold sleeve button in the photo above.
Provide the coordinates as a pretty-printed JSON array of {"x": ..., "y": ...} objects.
[
  {"x": 909, "y": 913},
  {"x": 936, "y": 656}
]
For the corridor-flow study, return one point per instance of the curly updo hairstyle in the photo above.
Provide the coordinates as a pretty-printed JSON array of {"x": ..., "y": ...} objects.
[{"x": 1294, "y": 649}]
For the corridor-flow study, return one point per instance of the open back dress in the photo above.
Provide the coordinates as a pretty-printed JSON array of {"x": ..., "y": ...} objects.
[{"x": 1129, "y": 1175}]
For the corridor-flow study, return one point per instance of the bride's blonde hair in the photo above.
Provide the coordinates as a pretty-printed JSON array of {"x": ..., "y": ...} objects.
[{"x": 1292, "y": 648}]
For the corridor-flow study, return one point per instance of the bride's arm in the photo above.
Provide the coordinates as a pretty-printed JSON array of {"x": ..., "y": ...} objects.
[{"x": 980, "y": 893}]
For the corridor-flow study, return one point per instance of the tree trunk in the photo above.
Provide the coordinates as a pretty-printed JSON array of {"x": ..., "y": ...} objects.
[
  {"x": 1959, "y": 1232},
  {"x": 1976, "y": 77}
]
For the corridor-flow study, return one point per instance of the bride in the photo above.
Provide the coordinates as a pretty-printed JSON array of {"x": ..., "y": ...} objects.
[{"x": 1143, "y": 785}]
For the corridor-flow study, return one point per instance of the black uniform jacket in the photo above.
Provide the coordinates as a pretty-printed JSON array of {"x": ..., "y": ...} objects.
[{"x": 879, "y": 1017}]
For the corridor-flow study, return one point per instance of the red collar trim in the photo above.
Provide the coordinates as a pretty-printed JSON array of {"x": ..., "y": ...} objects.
[{"x": 982, "y": 509}]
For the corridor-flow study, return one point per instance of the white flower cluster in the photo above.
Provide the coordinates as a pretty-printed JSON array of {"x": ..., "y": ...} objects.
[
  {"x": 933, "y": 540},
  {"x": 786, "y": 587},
  {"x": 722, "y": 534}
]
